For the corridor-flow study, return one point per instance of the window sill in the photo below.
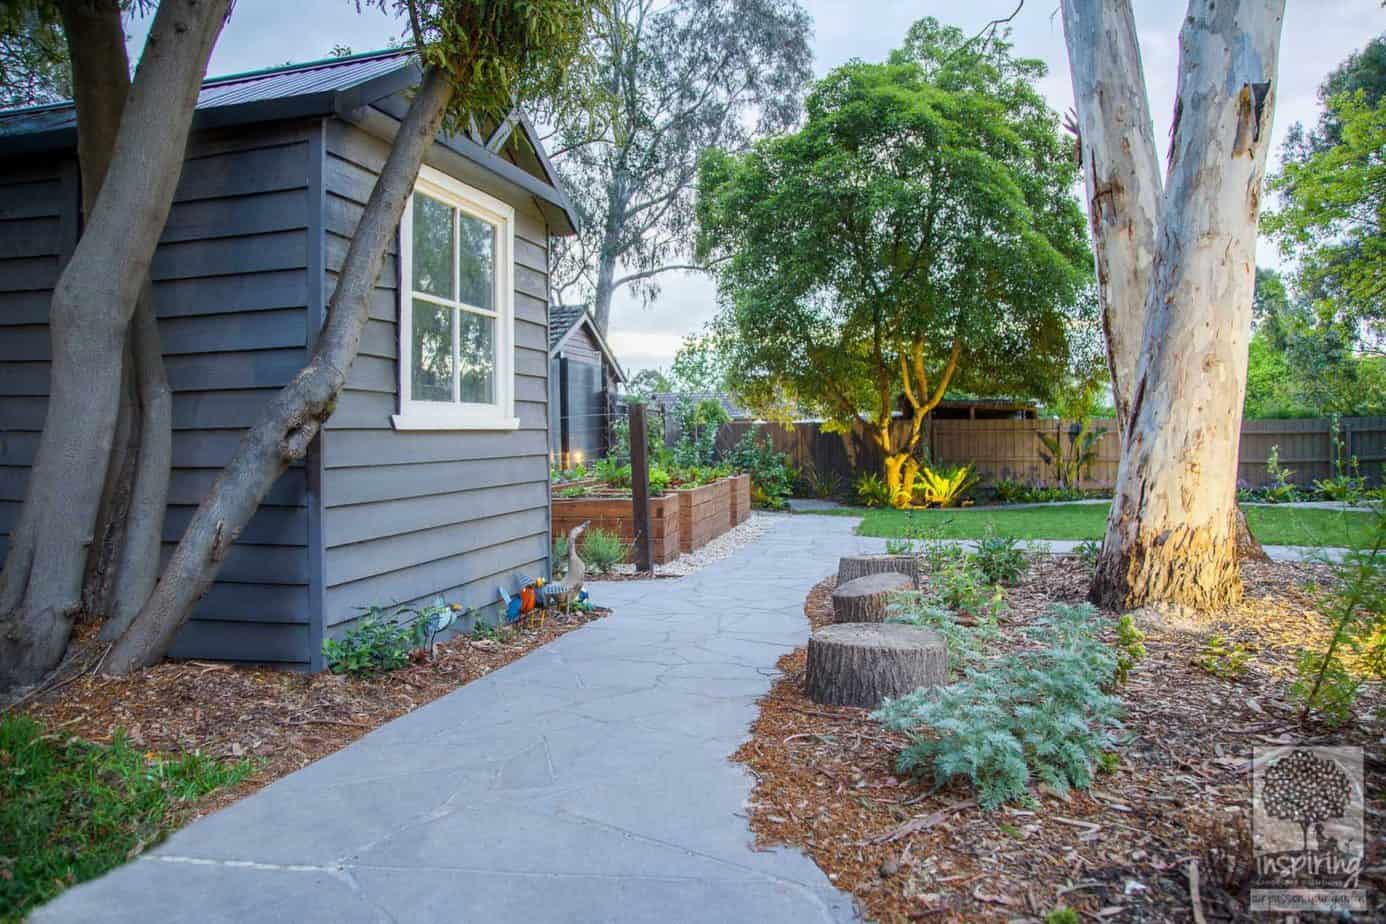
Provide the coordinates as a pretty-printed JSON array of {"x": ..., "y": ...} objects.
[{"x": 412, "y": 422}]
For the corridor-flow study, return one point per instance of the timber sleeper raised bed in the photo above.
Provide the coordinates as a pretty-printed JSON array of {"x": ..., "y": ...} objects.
[{"x": 681, "y": 519}]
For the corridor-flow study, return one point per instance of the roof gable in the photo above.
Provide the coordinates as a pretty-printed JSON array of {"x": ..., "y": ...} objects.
[{"x": 564, "y": 320}]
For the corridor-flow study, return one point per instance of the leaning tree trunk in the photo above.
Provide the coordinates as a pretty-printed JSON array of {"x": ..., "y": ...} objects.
[
  {"x": 123, "y": 559},
  {"x": 1171, "y": 535},
  {"x": 1121, "y": 174},
  {"x": 296, "y": 414},
  {"x": 137, "y": 568},
  {"x": 40, "y": 588}
]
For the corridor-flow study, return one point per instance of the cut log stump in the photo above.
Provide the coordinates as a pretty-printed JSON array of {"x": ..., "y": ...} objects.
[
  {"x": 851, "y": 567},
  {"x": 864, "y": 599},
  {"x": 860, "y": 664}
]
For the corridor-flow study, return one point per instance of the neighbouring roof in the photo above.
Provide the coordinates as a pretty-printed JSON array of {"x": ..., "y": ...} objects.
[
  {"x": 564, "y": 320},
  {"x": 346, "y": 87},
  {"x": 670, "y": 399}
]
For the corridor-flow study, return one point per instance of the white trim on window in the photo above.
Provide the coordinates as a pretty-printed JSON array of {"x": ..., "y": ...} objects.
[{"x": 455, "y": 414}]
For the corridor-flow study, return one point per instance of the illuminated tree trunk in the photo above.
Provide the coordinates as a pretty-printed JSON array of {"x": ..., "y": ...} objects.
[
  {"x": 901, "y": 465},
  {"x": 1171, "y": 536}
]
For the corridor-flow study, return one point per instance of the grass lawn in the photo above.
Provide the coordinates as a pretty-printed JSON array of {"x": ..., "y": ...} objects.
[
  {"x": 71, "y": 810},
  {"x": 1271, "y": 525}
]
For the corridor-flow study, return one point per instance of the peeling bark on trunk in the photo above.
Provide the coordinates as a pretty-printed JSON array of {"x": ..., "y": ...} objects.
[
  {"x": 40, "y": 588},
  {"x": 1121, "y": 173},
  {"x": 296, "y": 414},
  {"x": 1171, "y": 536}
]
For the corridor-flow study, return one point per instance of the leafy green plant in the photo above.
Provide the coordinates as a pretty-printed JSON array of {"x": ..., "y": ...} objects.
[
  {"x": 489, "y": 631},
  {"x": 71, "y": 810},
  {"x": 1223, "y": 658},
  {"x": 1000, "y": 559},
  {"x": 822, "y": 485},
  {"x": 943, "y": 485},
  {"x": 1073, "y": 452},
  {"x": 1354, "y": 603},
  {"x": 1043, "y": 713},
  {"x": 772, "y": 477},
  {"x": 967, "y": 643},
  {"x": 1281, "y": 489},
  {"x": 1346, "y": 485},
  {"x": 871, "y": 491},
  {"x": 1009, "y": 490},
  {"x": 1130, "y": 647},
  {"x": 898, "y": 545},
  {"x": 1089, "y": 550},
  {"x": 612, "y": 472},
  {"x": 958, "y": 586},
  {"x": 572, "y": 491},
  {"x": 375, "y": 645},
  {"x": 1062, "y": 916},
  {"x": 698, "y": 425},
  {"x": 659, "y": 479},
  {"x": 602, "y": 550}
]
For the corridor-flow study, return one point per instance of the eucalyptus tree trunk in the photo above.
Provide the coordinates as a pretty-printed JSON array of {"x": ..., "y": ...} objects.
[
  {"x": 41, "y": 585},
  {"x": 1171, "y": 536},
  {"x": 1121, "y": 174},
  {"x": 296, "y": 414}
]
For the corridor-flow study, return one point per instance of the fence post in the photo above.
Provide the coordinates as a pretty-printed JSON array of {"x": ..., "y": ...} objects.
[{"x": 640, "y": 487}]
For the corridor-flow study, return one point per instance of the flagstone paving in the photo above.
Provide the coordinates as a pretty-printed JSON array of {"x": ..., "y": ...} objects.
[{"x": 588, "y": 781}]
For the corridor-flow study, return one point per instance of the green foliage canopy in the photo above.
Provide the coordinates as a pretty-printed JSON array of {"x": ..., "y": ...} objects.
[{"x": 925, "y": 203}]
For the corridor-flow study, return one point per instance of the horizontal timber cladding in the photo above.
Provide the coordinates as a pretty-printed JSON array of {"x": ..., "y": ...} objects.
[
  {"x": 230, "y": 290},
  {"x": 407, "y": 516}
]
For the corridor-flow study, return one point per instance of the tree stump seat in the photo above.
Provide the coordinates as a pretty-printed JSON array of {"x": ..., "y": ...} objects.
[
  {"x": 851, "y": 567},
  {"x": 864, "y": 599},
  {"x": 860, "y": 664}
]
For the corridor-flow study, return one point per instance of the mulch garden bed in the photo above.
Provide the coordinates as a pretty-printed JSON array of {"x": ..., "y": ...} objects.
[
  {"x": 1170, "y": 824},
  {"x": 282, "y": 721}
]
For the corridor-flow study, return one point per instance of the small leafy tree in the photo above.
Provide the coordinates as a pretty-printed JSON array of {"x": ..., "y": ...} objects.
[
  {"x": 1073, "y": 452},
  {"x": 918, "y": 233}
]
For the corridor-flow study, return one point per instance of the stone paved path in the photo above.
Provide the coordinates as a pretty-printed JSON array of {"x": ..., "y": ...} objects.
[{"x": 588, "y": 781}]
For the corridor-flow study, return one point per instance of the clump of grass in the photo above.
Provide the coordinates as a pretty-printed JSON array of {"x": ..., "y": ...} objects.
[{"x": 70, "y": 810}]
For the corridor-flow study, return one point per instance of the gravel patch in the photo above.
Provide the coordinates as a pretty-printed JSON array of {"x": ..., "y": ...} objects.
[{"x": 722, "y": 547}]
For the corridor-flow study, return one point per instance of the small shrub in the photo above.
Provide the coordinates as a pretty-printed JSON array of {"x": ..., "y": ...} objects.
[
  {"x": 573, "y": 491},
  {"x": 602, "y": 550},
  {"x": 659, "y": 480},
  {"x": 1130, "y": 647},
  {"x": 375, "y": 645},
  {"x": 772, "y": 477},
  {"x": 1354, "y": 605},
  {"x": 944, "y": 485},
  {"x": 967, "y": 644},
  {"x": 1089, "y": 550},
  {"x": 1062, "y": 916},
  {"x": 1042, "y": 713},
  {"x": 1323, "y": 683},
  {"x": 822, "y": 486},
  {"x": 1010, "y": 491},
  {"x": 897, "y": 545},
  {"x": 871, "y": 491},
  {"x": 958, "y": 586},
  {"x": 560, "y": 555},
  {"x": 1224, "y": 659},
  {"x": 1000, "y": 559}
]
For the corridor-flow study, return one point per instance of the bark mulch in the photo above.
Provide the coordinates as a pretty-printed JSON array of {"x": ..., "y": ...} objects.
[
  {"x": 1124, "y": 850},
  {"x": 280, "y": 720}
]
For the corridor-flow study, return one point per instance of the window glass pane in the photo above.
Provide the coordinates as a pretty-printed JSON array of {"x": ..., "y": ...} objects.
[
  {"x": 477, "y": 358},
  {"x": 477, "y": 272},
  {"x": 432, "y": 246},
  {"x": 432, "y": 367}
]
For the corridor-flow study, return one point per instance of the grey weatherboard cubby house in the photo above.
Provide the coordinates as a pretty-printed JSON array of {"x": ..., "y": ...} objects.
[{"x": 431, "y": 477}]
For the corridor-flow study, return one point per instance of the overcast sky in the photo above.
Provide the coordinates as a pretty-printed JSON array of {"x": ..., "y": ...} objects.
[{"x": 1317, "y": 35}]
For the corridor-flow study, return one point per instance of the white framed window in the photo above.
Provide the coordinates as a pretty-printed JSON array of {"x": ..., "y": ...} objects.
[{"x": 457, "y": 308}]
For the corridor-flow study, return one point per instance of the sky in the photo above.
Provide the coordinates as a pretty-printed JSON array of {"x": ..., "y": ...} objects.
[{"x": 1318, "y": 34}]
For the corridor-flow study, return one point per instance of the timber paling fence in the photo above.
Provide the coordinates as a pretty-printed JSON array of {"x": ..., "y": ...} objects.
[{"x": 1012, "y": 449}]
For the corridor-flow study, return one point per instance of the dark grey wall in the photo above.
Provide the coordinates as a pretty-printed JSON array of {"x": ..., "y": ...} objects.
[
  {"x": 230, "y": 290},
  {"x": 585, "y": 381},
  {"x": 407, "y": 516}
]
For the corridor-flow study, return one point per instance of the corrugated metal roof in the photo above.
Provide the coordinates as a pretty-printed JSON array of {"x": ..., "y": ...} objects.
[{"x": 331, "y": 75}]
